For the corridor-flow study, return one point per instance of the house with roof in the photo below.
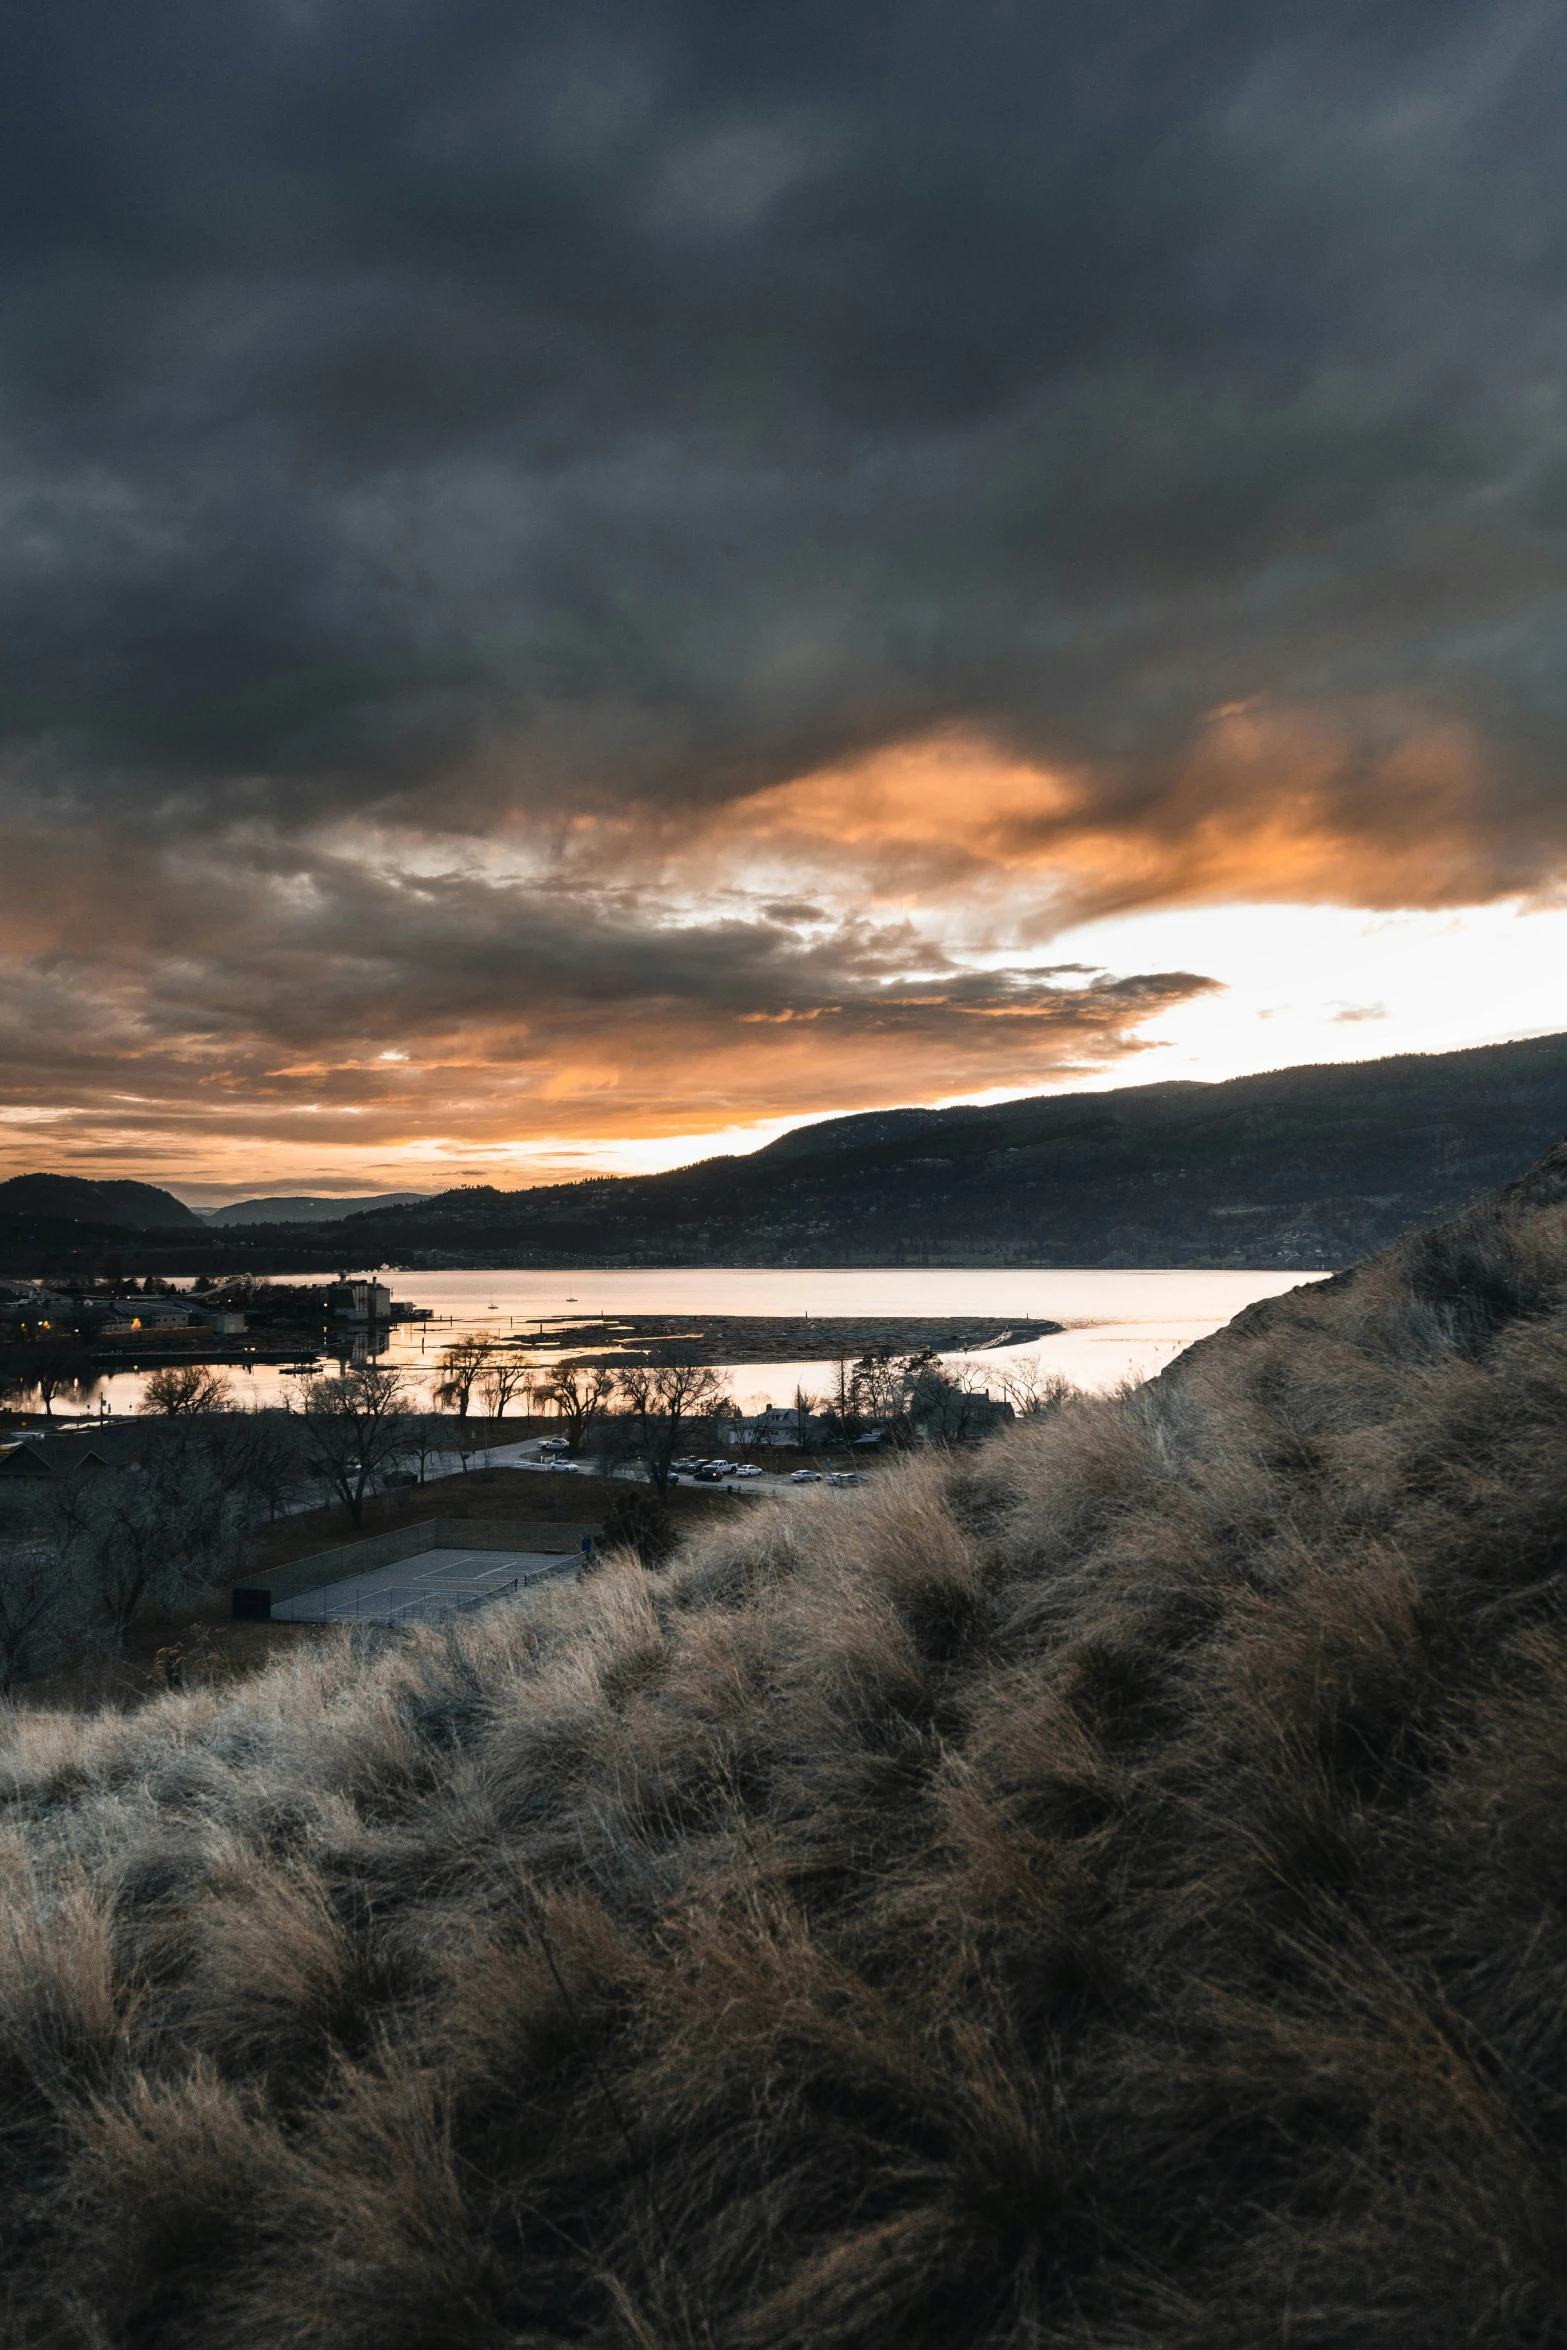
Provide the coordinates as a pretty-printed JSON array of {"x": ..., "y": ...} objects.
[{"x": 25, "y": 1460}]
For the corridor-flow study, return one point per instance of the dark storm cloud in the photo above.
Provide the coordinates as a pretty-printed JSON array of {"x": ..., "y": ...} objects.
[{"x": 677, "y": 395}]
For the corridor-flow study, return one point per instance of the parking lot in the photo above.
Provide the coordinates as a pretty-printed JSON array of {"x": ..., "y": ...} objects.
[{"x": 735, "y": 1476}]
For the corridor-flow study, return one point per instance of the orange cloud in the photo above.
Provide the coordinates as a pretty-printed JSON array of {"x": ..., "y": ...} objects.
[
  {"x": 1371, "y": 806},
  {"x": 867, "y": 933}
]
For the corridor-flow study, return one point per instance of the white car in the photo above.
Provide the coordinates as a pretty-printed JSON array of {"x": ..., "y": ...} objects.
[
  {"x": 806, "y": 1477},
  {"x": 845, "y": 1477},
  {"x": 748, "y": 1469}
]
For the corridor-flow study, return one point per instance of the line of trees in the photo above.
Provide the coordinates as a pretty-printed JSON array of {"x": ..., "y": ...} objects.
[
  {"x": 639, "y": 1411},
  {"x": 81, "y": 1556},
  {"x": 921, "y": 1398},
  {"x": 648, "y": 1412},
  {"x": 668, "y": 1406}
]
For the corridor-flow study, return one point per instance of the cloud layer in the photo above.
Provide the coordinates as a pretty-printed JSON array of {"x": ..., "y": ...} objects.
[{"x": 648, "y": 558}]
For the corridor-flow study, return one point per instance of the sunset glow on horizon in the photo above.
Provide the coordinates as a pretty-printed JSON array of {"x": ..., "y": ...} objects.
[{"x": 934, "y": 923}]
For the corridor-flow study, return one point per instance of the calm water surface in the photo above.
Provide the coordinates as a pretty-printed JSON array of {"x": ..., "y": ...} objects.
[{"x": 1121, "y": 1324}]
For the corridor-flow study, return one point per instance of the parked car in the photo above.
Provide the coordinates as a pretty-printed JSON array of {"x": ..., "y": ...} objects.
[
  {"x": 844, "y": 1477},
  {"x": 748, "y": 1469},
  {"x": 686, "y": 1466},
  {"x": 806, "y": 1477},
  {"x": 708, "y": 1477}
]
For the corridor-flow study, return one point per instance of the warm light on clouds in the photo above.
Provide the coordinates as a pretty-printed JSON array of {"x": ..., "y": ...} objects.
[
  {"x": 682, "y": 583},
  {"x": 953, "y": 794},
  {"x": 933, "y": 922},
  {"x": 1368, "y": 807}
]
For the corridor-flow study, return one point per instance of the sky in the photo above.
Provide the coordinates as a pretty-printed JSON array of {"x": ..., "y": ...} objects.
[{"x": 582, "y": 584}]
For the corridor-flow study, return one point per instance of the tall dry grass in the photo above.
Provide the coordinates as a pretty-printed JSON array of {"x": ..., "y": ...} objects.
[{"x": 1108, "y": 1891}]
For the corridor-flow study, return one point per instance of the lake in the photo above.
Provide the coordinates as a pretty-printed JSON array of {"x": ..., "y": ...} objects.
[{"x": 1120, "y": 1324}]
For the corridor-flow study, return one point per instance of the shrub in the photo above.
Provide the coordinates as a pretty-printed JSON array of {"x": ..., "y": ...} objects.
[{"x": 637, "y": 1520}]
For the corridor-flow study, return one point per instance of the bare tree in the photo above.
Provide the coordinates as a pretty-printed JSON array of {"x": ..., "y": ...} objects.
[
  {"x": 188, "y": 1387},
  {"x": 258, "y": 1456},
  {"x": 42, "y": 1604},
  {"x": 462, "y": 1365},
  {"x": 151, "y": 1533},
  {"x": 576, "y": 1393},
  {"x": 354, "y": 1426},
  {"x": 1032, "y": 1392},
  {"x": 669, "y": 1401},
  {"x": 503, "y": 1377},
  {"x": 946, "y": 1409},
  {"x": 805, "y": 1408},
  {"x": 79, "y": 1561},
  {"x": 47, "y": 1362},
  {"x": 426, "y": 1436}
]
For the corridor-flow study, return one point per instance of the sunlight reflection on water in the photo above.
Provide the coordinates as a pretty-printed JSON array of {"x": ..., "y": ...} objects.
[{"x": 1124, "y": 1324}]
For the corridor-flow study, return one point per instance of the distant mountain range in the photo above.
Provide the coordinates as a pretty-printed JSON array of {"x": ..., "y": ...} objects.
[
  {"x": 304, "y": 1210},
  {"x": 1299, "y": 1169}
]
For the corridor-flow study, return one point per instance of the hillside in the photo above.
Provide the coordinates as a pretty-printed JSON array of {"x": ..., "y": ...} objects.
[
  {"x": 139, "y": 1206},
  {"x": 1102, "y": 1893},
  {"x": 1302, "y": 1168}
]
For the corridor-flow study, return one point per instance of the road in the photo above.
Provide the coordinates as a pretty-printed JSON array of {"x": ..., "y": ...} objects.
[{"x": 524, "y": 1454}]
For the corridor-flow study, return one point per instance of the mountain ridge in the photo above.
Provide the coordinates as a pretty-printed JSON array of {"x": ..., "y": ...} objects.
[
  {"x": 309, "y": 1208},
  {"x": 1304, "y": 1168}
]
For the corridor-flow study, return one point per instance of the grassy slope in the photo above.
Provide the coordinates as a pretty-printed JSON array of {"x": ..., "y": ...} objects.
[{"x": 1108, "y": 1891}]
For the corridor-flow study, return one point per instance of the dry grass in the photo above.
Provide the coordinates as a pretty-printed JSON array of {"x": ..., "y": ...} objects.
[
  {"x": 1106, "y": 1892},
  {"x": 197, "y": 1647}
]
